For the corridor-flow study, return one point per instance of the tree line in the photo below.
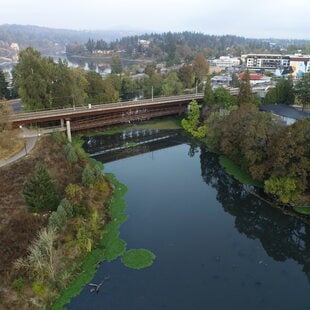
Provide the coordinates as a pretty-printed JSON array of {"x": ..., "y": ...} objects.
[
  {"x": 177, "y": 47},
  {"x": 43, "y": 83},
  {"x": 272, "y": 153}
]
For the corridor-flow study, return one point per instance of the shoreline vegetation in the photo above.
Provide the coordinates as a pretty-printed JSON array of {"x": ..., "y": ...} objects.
[
  {"x": 257, "y": 150},
  {"x": 87, "y": 237},
  {"x": 83, "y": 230}
]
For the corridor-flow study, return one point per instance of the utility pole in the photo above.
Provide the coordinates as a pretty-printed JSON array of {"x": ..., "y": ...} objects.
[
  {"x": 73, "y": 102},
  {"x": 152, "y": 93}
]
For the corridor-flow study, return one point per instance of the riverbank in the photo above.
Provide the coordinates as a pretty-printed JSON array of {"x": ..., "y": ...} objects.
[
  {"x": 85, "y": 235},
  {"x": 303, "y": 213},
  {"x": 28, "y": 288}
]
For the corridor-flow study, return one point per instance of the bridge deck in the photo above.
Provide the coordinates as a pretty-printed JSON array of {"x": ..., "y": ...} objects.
[{"x": 109, "y": 113}]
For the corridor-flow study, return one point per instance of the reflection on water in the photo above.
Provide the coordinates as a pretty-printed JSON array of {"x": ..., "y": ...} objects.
[
  {"x": 217, "y": 246},
  {"x": 283, "y": 237},
  {"x": 106, "y": 148}
]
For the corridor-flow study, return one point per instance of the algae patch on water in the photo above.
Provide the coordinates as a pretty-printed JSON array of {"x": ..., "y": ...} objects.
[{"x": 138, "y": 258}]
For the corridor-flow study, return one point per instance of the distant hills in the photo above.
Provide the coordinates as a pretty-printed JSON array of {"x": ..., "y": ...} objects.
[
  {"x": 50, "y": 40},
  {"x": 167, "y": 46}
]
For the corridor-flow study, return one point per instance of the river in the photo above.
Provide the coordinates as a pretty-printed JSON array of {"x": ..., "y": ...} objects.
[{"x": 217, "y": 246}]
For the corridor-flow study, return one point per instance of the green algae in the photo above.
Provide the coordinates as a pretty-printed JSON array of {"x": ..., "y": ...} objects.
[{"x": 138, "y": 258}]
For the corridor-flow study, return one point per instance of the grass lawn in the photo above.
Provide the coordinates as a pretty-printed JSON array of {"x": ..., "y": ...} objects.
[{"x": 10, "y": 143}]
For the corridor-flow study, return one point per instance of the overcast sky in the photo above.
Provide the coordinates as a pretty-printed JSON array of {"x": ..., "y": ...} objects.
[{"x": 255, "y": 19}]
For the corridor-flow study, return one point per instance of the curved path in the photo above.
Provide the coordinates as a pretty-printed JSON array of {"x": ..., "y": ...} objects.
[{"x": 30, "y": 139}]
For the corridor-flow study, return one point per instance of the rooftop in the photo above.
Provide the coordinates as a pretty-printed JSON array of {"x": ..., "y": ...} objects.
[{"x": 285, "y": 110}]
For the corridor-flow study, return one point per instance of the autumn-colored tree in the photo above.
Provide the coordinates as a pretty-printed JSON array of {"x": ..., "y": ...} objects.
[
  {"x": 290, "y": 153},
  {"x": 200, "y": 67},
  {"x": 232, "y": 131}
]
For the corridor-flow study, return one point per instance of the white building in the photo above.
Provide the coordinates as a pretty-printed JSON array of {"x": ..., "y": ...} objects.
[{"x": 225, "y": 62}]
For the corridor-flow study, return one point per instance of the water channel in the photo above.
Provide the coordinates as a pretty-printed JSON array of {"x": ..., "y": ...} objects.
[{"x": 217, "y": 246}]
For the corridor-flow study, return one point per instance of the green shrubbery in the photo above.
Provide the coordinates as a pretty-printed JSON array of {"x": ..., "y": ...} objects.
[{"x": 40, "y": 191}]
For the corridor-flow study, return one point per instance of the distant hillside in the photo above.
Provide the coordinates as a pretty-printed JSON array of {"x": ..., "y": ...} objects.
[{"x": 49, "y": 40}]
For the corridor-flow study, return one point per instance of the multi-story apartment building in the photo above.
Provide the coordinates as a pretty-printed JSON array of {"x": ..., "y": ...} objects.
[
  {"x": 294, "y": 65},
  {"x": 267, "y": 61}
]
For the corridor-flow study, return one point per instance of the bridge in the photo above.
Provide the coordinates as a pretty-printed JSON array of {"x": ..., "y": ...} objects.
[{"x": 101, "y": 115}]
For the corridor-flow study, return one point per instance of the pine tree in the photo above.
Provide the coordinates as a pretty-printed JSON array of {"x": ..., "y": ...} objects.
[
  {"x": 245, "y": 92},
  {"x": 40, "y": 191},
  {"x": 3, "y": 86},
  {"x": 208, "y": 94}
]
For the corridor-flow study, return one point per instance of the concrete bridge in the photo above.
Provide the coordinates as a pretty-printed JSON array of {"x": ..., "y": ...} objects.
[{"x": 94, "y": 116}]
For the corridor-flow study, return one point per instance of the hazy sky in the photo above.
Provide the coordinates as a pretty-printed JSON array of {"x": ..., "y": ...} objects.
[{"x": 258, "y": 18}]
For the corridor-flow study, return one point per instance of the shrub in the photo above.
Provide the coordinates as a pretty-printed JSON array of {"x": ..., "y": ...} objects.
[
  {"x": 284, "y": 187},
  {"x": 59, "y": 136},
  {"x": 39, "y": 289},
  {"x": 74, "y": 192},
  {"x": 92, "y": 175},
  {"x": 88, "y": 176},
  {"x": 70, "y": 153},
  {"x": 41, "y": 262},
  {"x": 18, "y": 284},
  {"x": 101, "y": 186},
  {"x": 65, "y": 203},
  {"x": 58, "y": 219}
]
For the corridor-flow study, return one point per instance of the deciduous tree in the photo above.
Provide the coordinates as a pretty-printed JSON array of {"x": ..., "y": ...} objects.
[
  {"x": 192, "y": 123},
  {"x": 200, "y": 67},
  {"x": 171, "y": 85}
]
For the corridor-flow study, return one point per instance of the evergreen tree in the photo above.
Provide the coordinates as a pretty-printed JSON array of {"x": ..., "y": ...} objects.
[
  {"x": 302, "y": 89},
  {"x": 3, "y": 86},
  {"x": 245, "y": 91},
  {"x": 282, "y": 93},
  {"x": 208, "y": 94},
  {"x": 40, "y": 191},
  {"x": 116, "y": 64}
]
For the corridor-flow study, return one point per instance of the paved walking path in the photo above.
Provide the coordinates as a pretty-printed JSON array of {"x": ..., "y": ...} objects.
[{"x": 30, "y": 141}]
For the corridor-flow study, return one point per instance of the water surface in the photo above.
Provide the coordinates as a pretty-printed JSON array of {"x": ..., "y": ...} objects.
[{"x": 217, "y": 246}]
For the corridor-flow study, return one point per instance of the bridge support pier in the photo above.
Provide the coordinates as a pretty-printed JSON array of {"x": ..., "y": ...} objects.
[
  {"x": 69, "y": 131},
  {"x": 62, "y": 123}
]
